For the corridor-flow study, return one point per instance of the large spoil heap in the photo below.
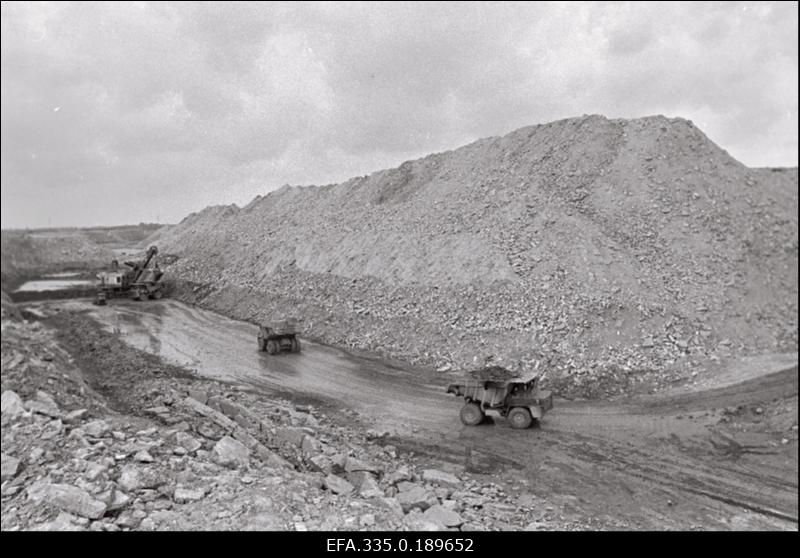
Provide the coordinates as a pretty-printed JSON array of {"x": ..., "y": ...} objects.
[{"x": 601, "y": 249}]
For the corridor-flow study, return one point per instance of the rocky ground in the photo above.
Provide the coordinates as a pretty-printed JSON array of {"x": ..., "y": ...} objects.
[
  {"x": 610, "y": 253},
  {"x": 99, "y": 436}
]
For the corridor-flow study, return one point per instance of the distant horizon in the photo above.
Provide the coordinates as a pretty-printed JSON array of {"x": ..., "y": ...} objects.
[{"x": 80, "y": 227}]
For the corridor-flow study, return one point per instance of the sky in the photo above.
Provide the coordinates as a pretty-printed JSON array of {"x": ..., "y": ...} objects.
[{"x": 128, "y": 112}]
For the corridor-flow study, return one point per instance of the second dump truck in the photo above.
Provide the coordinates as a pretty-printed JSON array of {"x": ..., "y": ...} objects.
[
  {"x": 519, "y": 400},
  {"x": 279, "y": 336}
]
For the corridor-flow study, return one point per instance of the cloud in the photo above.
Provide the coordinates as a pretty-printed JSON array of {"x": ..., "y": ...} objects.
[{"x": 166, "y": 107}]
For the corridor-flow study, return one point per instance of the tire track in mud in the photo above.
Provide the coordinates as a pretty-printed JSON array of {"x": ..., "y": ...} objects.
[
  {"x": 579, "y": 458},
  {"x": 768, "y": 387},
  {"x": 716, "y": 481}
]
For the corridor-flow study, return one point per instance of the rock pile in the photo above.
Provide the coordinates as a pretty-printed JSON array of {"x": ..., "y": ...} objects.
[
  {"x": 497, "y": 373},
  {"x": 612, "y": 252}
]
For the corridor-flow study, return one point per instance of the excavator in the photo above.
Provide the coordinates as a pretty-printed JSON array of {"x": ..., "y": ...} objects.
[{"x": 135, "y": 278}]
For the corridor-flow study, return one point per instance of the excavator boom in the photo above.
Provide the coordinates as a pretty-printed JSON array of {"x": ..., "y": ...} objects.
[{"x": 152, "y": 251}]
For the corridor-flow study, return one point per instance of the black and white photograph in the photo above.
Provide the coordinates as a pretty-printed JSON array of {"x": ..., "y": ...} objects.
[{"x": 399, "y": 276}]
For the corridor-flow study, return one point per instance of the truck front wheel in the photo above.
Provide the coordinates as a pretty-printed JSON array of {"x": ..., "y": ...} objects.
[
  {"x": 471, "y": 414},
  {"x": 262, "y": 344},
  {"x": 520, "y": 418}
]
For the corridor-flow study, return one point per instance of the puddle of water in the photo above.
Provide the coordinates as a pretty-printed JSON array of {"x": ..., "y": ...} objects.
[
  {"x": 52, "y": 285},
  {"x": 62, "y": 275}
]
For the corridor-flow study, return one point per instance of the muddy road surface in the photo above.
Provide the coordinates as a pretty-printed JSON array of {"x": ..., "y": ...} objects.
[{"x": 683, "y": 460}]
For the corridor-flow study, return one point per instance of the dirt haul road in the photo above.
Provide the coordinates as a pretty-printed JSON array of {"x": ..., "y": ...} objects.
[{"x": 655, "y": 462}]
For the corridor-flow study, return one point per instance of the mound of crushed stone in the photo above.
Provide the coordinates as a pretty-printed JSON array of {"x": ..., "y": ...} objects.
[{"x": 592, "y": 247}]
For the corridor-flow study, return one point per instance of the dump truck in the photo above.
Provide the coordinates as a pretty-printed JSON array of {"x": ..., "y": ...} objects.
[
  {"x": 277, "y": 336},
  {"x": 136, "y": 279},
  {"x": 519, "y": 400}
]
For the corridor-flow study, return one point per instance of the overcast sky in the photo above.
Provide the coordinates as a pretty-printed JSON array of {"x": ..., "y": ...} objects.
[{"x": 129, "y": 111}]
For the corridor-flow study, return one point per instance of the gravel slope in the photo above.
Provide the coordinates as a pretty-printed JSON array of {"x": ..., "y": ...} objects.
[{"x": 597, "y": 248}]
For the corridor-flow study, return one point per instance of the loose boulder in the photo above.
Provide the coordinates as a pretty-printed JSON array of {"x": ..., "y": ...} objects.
[
  {"x": 68, "y": 498},
  {"x": 231, "y": 453},
  {"x": 10, "y": 465},
  {"x": 338, "y": 485},
  {"x": 11, "y": 405}
]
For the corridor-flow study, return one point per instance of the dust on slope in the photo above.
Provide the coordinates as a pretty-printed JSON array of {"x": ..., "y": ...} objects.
[{"x": 600, "y": 249}]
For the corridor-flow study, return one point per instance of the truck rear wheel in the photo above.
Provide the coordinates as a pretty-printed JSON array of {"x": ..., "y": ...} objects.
[
  {"x": 273, "y": 347},
  {"x": 520, "y": 418},
  {"x": 471, "y": 414},
  {"x": 295, "y": 345},
  {"x": 262, "y": 344}
]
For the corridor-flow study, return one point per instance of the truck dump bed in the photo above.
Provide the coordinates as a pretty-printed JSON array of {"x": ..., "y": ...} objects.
[
  {"x": 284, "y": 327},
  {"x": 489, "y": 383},
  {"x": 488, "y": 392},
  {"x": 497, "y": 393}
]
